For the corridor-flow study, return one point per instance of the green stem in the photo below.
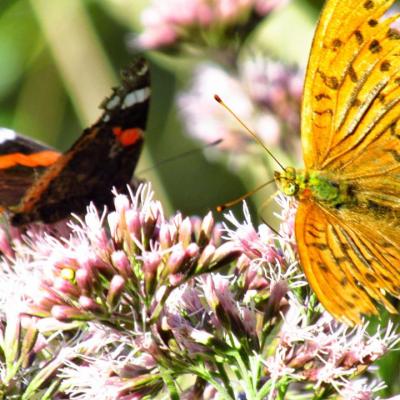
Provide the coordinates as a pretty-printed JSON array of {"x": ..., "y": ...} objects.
[
  {"x": 225, "y": 379},
  {"x": 250, "y": 388},
  {"x": 160, "y": 305},
  {"x": 226, "y": 391},
  {"x": 265, "y": 389},
  {"x": 256, "y": 365},
  {"x": 170, "y": 382},
  {"x": 282, "y": 389}
]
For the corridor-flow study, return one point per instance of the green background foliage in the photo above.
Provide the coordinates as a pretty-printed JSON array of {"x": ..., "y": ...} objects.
[{"x": 58, "y": 60}]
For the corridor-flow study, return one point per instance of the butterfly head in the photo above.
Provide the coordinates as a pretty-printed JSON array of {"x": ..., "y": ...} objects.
[{"x": 287, "y": 181}]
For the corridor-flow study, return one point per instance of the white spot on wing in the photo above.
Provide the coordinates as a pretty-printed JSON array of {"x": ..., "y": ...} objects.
[
  {"x": 130, "y": 100},
  {"x": 6, "y": 134},
  {"x": 112, "y": 103},
  {"x": 143, "y": 94},
  {"x": 138, "y": 96}
]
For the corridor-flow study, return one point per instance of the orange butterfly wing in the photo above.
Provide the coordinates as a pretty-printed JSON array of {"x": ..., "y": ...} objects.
[
  {"x": 342, "y": 74},
  {"x": 351, "y": 130},
  {"x": 348, "y": 260}
]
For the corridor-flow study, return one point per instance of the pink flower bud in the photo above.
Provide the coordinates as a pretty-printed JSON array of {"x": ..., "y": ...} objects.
[
  {"x": 153, "y": 38},
  {"x": 5, "y": 246},
  {"x": 278, "y": 292},
  {"x": 84, "y": 280},
  {"x": 66, "y": 287},
  {"x": 206, "y": 257},
  {"x": 207, "y": 226},
  {"x": 46, "y": 300},
  {"x": 151, "y": 261},
  {"x": 176, "y": 279},
  {"x": 225, "y": 253},
  {"x": 121, "y": 263},
  {"x": 175, "y": 259},
  {"x": 117, "y": 285},
  {"x": 121, "y": 203},
  {"x": 67, "y": 313},
  {"x": 133, "y": 223},
  {"x": 165, "y": 236},
  {"x": 185, "y": 232},
  {"x": 89, "y": 304},
  {"x": 150, "y": 220},
  {"x": 113, "y": 219},
  {"x": 192, "y": 250}
]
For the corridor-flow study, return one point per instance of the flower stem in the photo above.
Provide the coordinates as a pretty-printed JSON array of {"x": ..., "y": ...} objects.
[
  {"x": 246, "y": 378},
  {"x": 170, "y": 382},
  {"x": 224, "y": 377}
]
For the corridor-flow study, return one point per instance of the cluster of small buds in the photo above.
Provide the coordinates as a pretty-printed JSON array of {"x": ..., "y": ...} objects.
[
  {"x": 111, "y": 266},
  {"x": 328, "y": 354},
  {"x": 185, "y": 325},
  {"x": 200, "y": 20},
  {"x": 127, "y": 302},
  {"x": 361, "y": 389},
  {"x": 255, "y": 243},
  {"x": 30, "y": 360},
  {"x": 264, "y": 93},
  {"x": 117, "y": 374},
  {"x": 209, "y": 318}
]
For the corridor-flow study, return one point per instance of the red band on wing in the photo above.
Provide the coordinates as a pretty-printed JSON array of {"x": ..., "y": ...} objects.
[
  {"x": 129, "y": 136},
  {"x": 39, "y": 159}
]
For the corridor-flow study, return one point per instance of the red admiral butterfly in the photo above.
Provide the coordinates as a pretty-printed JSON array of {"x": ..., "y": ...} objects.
[{"x": 38, "y": 183}]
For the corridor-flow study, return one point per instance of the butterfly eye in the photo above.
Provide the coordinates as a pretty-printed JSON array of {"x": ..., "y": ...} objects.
[{"x": 291, "y": 188}]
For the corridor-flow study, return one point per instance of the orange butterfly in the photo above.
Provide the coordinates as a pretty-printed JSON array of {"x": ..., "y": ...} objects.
[{"x": 348, "y": 220}]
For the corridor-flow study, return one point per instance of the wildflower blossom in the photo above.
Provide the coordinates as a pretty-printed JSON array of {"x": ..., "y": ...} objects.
[
  {"x": 94, "y": 276},
  {"x": 327, "y": 352},
  {"x": 111, "y": 375},
  {"x": 264, "y": 93},
  {"x": 128, "y": 302},
  {"x": 165, "y": 27},
  {"x": 360, "y": 389}
]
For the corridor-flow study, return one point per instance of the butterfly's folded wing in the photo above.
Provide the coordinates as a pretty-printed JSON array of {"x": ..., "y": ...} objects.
[
  {"x": 104, "y": 157},
  {"x": 349, "y": 259},
  {"x": 351, "y": 84}
]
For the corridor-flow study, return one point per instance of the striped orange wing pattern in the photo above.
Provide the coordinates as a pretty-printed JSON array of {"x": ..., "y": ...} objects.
[
  {"x": 351, "y": 129},
  {"x": 349, "y": 259}
]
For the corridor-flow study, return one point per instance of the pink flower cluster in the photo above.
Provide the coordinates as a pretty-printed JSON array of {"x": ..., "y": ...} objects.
[
  {"x": 122, "y": 305},
  {"x": 328, "y": 349},
  {"x": 91, "y": 276},
  {"x": 264, "y": 94},
  {"x": 166, "y": 22}
]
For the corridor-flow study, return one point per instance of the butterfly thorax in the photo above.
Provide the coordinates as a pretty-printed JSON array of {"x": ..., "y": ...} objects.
[{"x": 316, "y": 185}]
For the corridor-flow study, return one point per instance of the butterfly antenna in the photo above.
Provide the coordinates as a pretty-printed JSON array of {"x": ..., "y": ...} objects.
[
  {"x": 181, "y": 155},
  {"x": 263, "y": 206},
  {"x": 232, "y": 203},
  {"x": 252, "y": 133},
  {"x": 271, "y": 227},
  {"x": 268, "y": 200}
]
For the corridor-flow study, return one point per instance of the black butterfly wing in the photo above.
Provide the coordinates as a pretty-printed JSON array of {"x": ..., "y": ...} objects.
[{"x": 104, "y": 157}]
